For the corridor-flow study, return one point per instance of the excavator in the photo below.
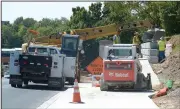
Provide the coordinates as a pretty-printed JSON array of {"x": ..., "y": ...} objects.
[{"x": 77, "y": 36}]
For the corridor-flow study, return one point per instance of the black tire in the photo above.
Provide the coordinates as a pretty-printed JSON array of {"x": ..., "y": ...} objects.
[
  {"x": 19, "y": 85},
  {"x": 62, "y": 85},
  {"x": 71, "y": 81},
  {"x": 138, "y": 84},
  {"x": 149, "y": 84},
  {"x": 13, "y": 85},
  {"x": 25, "y": 82}
]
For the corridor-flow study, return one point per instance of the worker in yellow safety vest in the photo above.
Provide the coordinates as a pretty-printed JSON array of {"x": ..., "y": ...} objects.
[
  {"x": 116, "y": 39},
  {"x": 162, "y": 46},
  {"x": 137, "y": 42}
]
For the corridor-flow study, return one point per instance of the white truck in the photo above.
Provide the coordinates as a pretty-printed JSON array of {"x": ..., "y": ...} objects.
[
  {"x": 56, "y": 65},
  {"x": 41, "y": 64}
]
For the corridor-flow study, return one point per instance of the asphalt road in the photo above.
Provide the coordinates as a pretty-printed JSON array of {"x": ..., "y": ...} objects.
[{"x": 31, "y": 96}]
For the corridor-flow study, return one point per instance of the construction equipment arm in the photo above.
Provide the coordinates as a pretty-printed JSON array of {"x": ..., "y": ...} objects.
[{"x": 92, "y": 33}]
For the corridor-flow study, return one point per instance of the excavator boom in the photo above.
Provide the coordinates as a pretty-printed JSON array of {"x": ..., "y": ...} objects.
[{"x": 92, "y": 33}]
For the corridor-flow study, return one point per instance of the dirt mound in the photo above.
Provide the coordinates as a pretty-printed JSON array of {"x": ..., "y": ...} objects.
[
  {"x": 175, "y": 40},
  {"x": 170, "y": 70},
  {"x": 170, "y": 101}
]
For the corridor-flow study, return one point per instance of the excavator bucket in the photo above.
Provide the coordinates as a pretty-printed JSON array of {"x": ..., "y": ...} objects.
[{"x": 153, "y": 34}]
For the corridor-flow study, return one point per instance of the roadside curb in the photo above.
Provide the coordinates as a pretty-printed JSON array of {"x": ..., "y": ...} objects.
[{"x": 49, "y": 102}]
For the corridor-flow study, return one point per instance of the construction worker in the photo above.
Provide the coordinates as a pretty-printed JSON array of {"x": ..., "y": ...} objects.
[
  {"x": 137, "y": 42},
  {"x": 116, "y": 39},
  {"x": 162, "y": 46}
]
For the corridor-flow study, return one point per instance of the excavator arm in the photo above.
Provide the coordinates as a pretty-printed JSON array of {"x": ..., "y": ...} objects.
[{"x": 92, "y": 33}]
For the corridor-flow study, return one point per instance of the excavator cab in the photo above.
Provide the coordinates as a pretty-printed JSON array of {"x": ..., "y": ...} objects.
[{"x": 70, "y": 44}]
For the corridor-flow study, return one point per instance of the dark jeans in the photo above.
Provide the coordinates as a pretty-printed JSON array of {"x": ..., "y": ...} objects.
[
  {"x": 161, "y": 55},
  {"x": 138, "y": 49}
]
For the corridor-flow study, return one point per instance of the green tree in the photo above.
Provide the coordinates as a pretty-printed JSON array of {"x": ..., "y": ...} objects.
[
  {"x": 9, "y": 39},
  {"x": 29, "y": 22}
]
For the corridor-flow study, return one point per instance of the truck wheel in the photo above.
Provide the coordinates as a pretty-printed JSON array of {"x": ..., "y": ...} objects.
[
  {"x": 71, "y": 81},
  {"x": 13, "y": 85},
  {"x": 26, "y": 83},
  {"x": 62, "y": 85},
  {"x": 19, "y": 85}
]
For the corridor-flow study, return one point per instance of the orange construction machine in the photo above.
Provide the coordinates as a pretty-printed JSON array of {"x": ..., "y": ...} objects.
[{"x": 122, "y": 69}]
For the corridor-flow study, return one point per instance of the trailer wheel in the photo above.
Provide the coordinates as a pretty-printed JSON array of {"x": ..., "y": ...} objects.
[{"x": 13, "y": 85}]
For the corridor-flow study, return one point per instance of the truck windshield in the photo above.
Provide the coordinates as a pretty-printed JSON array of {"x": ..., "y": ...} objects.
[{"x": 70, "y": 44}]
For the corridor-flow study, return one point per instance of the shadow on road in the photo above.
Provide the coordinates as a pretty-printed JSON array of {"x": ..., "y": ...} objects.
[
  {"x": 43, "y": 87},
  {"x": 131, "y": 90}
]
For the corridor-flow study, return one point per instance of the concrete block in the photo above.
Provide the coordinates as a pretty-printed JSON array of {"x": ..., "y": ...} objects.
[
  {"x": 150, "y": 52},
  {"x": 151, "y": 59},
  {"x": 150, "y": 45}
]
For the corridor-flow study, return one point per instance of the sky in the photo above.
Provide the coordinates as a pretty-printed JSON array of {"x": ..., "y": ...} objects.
[{"x": 39, "y": 10}]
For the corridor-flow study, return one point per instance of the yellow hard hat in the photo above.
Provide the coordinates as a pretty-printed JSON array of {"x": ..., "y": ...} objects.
[
  {"x": 64, "y": 33},
  {"x": 72, "y": 32}
]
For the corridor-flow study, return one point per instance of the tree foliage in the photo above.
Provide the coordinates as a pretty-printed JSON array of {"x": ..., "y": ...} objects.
[{"x": 164, "y": 14}]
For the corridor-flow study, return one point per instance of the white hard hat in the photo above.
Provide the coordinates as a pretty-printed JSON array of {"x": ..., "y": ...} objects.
[
  {"x": 136, "y": 33},
  {"x": 162, "y": 38}
]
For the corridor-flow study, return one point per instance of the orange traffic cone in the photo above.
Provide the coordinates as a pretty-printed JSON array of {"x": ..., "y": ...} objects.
[{"x": 76, "y": 94}]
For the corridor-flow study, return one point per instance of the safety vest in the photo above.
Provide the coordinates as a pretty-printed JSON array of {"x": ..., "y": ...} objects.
[
  {"x": 136, "y": 40},
  {"x": 116, "y": 40},
  {"x": 162, "y": 45}
]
